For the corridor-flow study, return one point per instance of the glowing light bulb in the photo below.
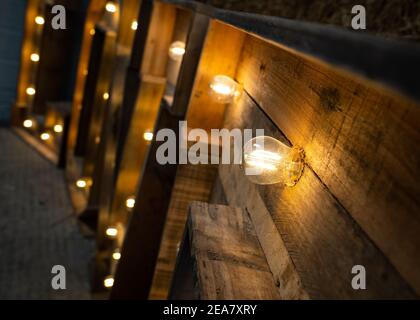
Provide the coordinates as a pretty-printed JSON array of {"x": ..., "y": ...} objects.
[
  {"x": 106, "y": 96},
  {"x": 30, "y": 91},
  {"x": 45, "y": 136},
  {"x": 58, "y": 128},
  {"x": 39, "y": 20},
  {"x": 269, "y": 161},
  {"x": 28, "y": 123},
  {"x": 116, "y": 255},
  {"x": 130, "y": 202},
  {"x": 83, "y": 183},
  {"x": 224, "y": 89},
  {"x": 134, "y": 25},
  {"x": 92, "y": 32},
  {"x": 177, "y": 50},
  {"x": 111, "y": 232},
  {"x": 110, "y": 7},
  {"x": 34, "y": 57},
  {"x": 148, "y": 135},
  {"x": 109, "y": 282}
]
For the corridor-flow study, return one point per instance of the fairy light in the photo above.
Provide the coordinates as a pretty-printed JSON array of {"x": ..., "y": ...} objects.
[
  {"x": 28, "y": 123},
  {"x": 39, "y": 20},
  {"x": 148, "y": 135},
  {"x": 130, "y": 202},
  {"x": 34, "y": 57},
  {"x": 83, "y": 183},
  {"x": 45, "y": 136},
  {"x": 105, "y": 96},
  {"x": 134, "y": 25},
  {"x": 224, "y": 89},
  {"x": 58, "y": 128},
  {"x": 177, "y": 50},
  {"x": 116, "y": 255},
  {"x": 110, "y": 7},
  {"x": 108, "y": 281},
  {"x": 30, "y": 91},
  {"x": 92, "y": 32},
  {"x": 111, "y": 232}
]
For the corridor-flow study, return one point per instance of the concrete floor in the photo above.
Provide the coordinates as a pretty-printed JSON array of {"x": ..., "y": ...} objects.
[{"x": 37, "y": 227}]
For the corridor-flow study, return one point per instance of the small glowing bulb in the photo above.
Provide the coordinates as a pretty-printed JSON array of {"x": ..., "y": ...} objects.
[
  {"x": 35, "y": 57},
  {"x": 82, "y": 183},
  {"x": 106, "y": 96},
  {"x": 110, "y": 7},
  {"x": 30, "y": 91},
  {"x": 109, "y": 282},
  {"x": 134, "y": 25},
  {"x": 116, "y": 255},
  {"x": 39, "y": 20},
  {"x": 224, "y": 89},
  {"x": 58, "y": 128},
  {"x": 130, "y": 202},
  {"x": 45, "y": 136},
  {"x": 28, "y": 123},
  {"x": 111, "y": 232},
  {"x": 177, "y": 50},
  {"x": 92, "y": 32},
  {"x": 268, "y": 161},
  {"x": 148, "y": 135}
]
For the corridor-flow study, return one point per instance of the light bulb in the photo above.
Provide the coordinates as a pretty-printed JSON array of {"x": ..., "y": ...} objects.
[
  {"x": 35, "y": 57},
  {"x": 148, "y": 135},
  {"x": 45, "y": 136},
  {"x": 177, "y": 50},
  {"x": 106, "y": 96},
  {"x": 111, "y": 232},
  {"x": 92, "y": 32},
  {"x": 39, "y": 20},
  {"x": 28, "y": 123},
  {"x": 30, "y": 91},
  {"x": 130, "y": 202},
  {"x": 83, "y": 183},
  {"x": 224, "y": 89},
  {"x": 58, "y": 128},
  {"x": 116, "y": 255},
  {"x": 134, "y": 25},
  {"x": 109, "y": 282},
  {"x": 269, "y": 161},
  {"x": 110, "y": 7}
]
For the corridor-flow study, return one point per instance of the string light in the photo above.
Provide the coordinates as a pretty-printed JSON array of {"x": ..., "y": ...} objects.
[
  {"x": 35, "y": 57},
  {"x": 109, "y": 282},
  {"x": 134, "y": 25},
  {"x": 116, "y": 255},
  {"x": 106, "y": 96},
  {"x": 148, "y": 135},
  {"x": 110, "y": 7},
  {"x": 92, "y": 32},
  {"x": 224, "y": 89},
  {"x": 177, "y": 50},
  {"x": 45, "y": 136},
  {"x": 28, "y": 123},
  {"x": 130, "y": 202},
  {"x": 39, "y": 20},
  {"x": 83, "y": 183},
  {"x": 58, "y": 128},
  {"x": 111, "y": 232},
  {"x": 30, "y": 91},
  {"x": 269, "y": 161}
]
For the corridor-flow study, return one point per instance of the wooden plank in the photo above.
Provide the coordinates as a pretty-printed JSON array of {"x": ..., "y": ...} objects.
[
  {"x": 321, "y": 238},
  {"x": 228, "y": 260},
  {"x": 361, "y": 142}
]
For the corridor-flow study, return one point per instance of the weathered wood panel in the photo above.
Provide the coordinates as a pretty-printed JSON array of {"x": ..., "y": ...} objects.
[
  {"x": 321, "y": 239},
  {"x": 228, "y": 261},
  {"x": 362, "y": 143}
]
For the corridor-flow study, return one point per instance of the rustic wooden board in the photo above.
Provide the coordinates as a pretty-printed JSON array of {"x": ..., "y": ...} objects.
[
  {"x": 362, "y": 143},
  {"x": 228, "y": 260},
  {"x": 321, "y": 238}
]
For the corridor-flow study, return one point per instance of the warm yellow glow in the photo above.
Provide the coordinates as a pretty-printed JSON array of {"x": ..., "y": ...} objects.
[
  {"x": 269, "y": 161},
  {"x": 223, "y": 88},
  {"x": 58, "y": 128},
  {"x": 109, "y": 282},
  {"x": 177, "y": 50},
  {"x": 110, "y": 7},
  {"x": 28, "y": 123},
  {"x": 134, "y": 25},
  {"x": 30, "y": 91},
  {"x": 35, "y": 57},
  {"x": 116, "y": 255},
  {"x": 111, "y": 232},
  {"x": 130, "y": 202},
  {"x": 148, "y": 135},
  {"x": 45, "y": 136},
  {"x": 81, "y": 183},
  {"x": 106, "y": 96},
  {"x": 92, "y": 32},
  {"x": 39, "y": 20}
]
